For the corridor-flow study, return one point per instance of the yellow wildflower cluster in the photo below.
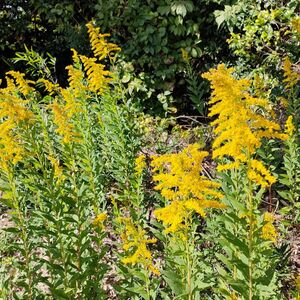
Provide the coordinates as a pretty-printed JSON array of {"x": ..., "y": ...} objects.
[
  {"x": 140, "y": 164},
  {"x": 76, "y": 81},
  {"x": 290, "y": 76},
  {"x": 134, "y": 240},
  {"x": 258, "y": 173},
  {"x": 180, "y": 181},
  {"x": 99, "y": 220},
  {"x": 21, "y": 83},
  {"x": 50, "y": 87},
  {"x": 268, "y": 230},
  {"x": 11, "y": 150},
  {"x": 289, "y": 126},
  {"x": 98, "y": 78},
  {"x": 58, "y": 170},
  {"x": 100, "y": 46},
  {"x": 96, "y": 82},
  {"x": 238, "y": 126},
  {"x": 14, "y": 109},
  {"x": 68, "y": 103},
  {"x": 65, "y": 128},
  {"x": 66, "y": 106},
  {"x": 13, "y": 113}
]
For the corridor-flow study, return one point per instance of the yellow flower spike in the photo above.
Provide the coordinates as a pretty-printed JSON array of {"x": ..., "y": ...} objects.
[
  {"x": 50, "y": 87},
  {"x": 22, "y": 84},
  {"x": 268, "y": 230},
  {"x": 100, "y": 46},
  {"x": 71, "y": 106},
  {"x": 172, "y": 216},
  {"x": 61, "y": 118},
  {"x": 140, "y": 164},
  {"x": 14, "y": 113},
  {"x": 75, "y": 57},
  {"x": 259, "y": 174},
  {"x": 63, "y": 114},
  {"x": 99, "y": 220},
  {"x": 290, "y": 77},
  {"x": 58, "y": 170},
  {"x": 233, "y": 165},
  {"x": 179, "y": 180},
  {"x": 11, "y": 151},
  {"x": 289, "y": 126},
  {"x": 76, "y": 78},
  {"x": 98, "y": 77},
  {"x": 238, "y": 126},
  {"x": 12, "y": 106},
  {"x": 135, "y": 241}
]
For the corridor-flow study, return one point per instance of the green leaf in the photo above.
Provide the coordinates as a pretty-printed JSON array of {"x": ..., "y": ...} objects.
[
  {"x": 234, "y": 240},
  {"x": 173, "y": 281},
  {"x": 181, "y": 10},
  {"x": 164, "y": 10},
  {"x": 266, "y": 279}
]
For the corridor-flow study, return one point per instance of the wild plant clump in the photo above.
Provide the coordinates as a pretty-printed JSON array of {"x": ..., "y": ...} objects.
[{"x": 96, "y": 213}]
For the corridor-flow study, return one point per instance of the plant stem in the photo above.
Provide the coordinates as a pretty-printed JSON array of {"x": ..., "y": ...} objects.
[
  {"x": 148, "y": 288},
  {"x": 250, "y": 238},
  {"x": 24, "y": 234},
  {"x": 188, "y": 264}
]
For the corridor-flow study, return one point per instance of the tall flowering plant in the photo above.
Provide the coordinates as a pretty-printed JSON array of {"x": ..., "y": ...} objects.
[
  {"x": 49, "y": 177},
  {"x": 188, "y": 194},
  {"x": 241, "y": 123}
]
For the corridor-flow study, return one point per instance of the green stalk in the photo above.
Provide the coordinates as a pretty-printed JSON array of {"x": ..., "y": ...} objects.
[
  {"x": 45, "y": 176},
  {"x": 250, "y": 244},
  {"x": 88, "y": 153},
  {"x": 78, "y": 211},
  {"x": 24, "y": 235},
  {"x": 63, "y": 256},
  {"x": 188, "y": 260},
  {"x": 251, "y": 232},
  {"x": 148, "y": 288},
  {"x": 188, "y": 271}
]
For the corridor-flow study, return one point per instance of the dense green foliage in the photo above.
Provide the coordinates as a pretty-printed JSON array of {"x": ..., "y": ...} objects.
[{"x": 151, "y": 35}]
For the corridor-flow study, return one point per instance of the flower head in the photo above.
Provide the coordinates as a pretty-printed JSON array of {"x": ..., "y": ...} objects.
[
  {"x": 268, "y": 230},
  {"x": 98, "y": 77},
  {"x": 239, "y": 126},
  {"x": 180, "y": 181},
  {"x": 22, "y": 84},
  {"x": 11, "y": 150},
  {"x": 100, "y": 46},
  {"x": 14, "y": 115},
  {"x": 58, "y": 170},
  {"x": 99, "y": 220},
  {"x": 289, "y": 126},
  {"x": 62, "y": 119},
  {"x": 140, "y": 164},
  {"x": 135, "y": 242},
  {"x": 290, "y": 77}
]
